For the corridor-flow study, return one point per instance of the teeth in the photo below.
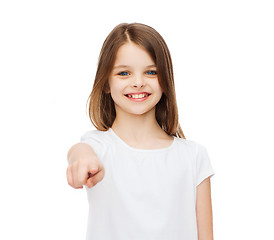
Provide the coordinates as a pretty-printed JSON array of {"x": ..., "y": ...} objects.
[{"x": 138, "y": 95}]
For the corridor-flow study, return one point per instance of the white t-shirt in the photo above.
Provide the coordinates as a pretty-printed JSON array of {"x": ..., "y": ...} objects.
[{"x": 146, "y": 194}]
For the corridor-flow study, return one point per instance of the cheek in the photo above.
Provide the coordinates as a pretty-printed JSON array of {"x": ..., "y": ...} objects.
[
  {"x": 113, "y": 85},
  {"x": 157, "y": 87},
  {"x": 116, "y": 89}
]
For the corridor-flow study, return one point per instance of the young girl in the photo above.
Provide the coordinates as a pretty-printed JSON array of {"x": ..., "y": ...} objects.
[{"x": 144, "y": 180}]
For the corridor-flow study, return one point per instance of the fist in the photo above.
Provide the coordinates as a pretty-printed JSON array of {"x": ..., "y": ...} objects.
[{"x": 85, "y": 171}]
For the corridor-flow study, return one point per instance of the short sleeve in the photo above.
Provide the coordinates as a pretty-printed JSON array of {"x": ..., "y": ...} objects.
[
  {"x": 95, "y": 140},
  {"x": 203, "y": 165}
]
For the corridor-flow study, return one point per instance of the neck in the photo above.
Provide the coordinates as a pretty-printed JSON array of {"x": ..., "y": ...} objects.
[{"x": 137, "y": 128}]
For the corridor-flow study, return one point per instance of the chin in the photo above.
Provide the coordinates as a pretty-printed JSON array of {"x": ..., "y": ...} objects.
[{"x": 141, "y": 112}]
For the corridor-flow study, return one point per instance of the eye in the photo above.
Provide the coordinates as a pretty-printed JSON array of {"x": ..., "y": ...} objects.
[
  {"x": 123, "y": 73},
  {"x": 151, "y": 72}
]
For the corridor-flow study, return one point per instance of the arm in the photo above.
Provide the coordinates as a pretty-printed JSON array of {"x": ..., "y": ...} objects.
[
  {"x": 77, "y": 151},
  {"x": 204, "y": 211},
  {"x": 84, "y": 166}
]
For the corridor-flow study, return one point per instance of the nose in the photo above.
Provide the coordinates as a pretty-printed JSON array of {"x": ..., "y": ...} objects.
[{"x": 138, "y": 82}]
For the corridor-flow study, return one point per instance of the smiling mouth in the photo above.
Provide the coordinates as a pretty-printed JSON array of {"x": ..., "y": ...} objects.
[{"x": 138, "y": 96}]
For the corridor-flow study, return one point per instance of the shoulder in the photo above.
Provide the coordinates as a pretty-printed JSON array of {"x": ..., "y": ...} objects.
[
  {"x": 197, "y": 154},
  {"x": 98, "y": 140},
  {"x": 92, "y": 133},
  {"x": 190, "y": 145},
  {"x": 195, "y": 151}
]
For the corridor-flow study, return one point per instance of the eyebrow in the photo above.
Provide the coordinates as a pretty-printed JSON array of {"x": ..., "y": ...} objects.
[{"x": 126, "y": 66}]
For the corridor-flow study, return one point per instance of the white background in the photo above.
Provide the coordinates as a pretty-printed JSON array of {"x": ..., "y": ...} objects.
[{"x": 223, "y": 58}]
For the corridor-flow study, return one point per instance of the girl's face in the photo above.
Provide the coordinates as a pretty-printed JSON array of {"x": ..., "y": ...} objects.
[{"x": 133, "y": 75}]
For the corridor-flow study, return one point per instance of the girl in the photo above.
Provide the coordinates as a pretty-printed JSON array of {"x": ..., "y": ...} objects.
[{"x": 144, "y": 180}]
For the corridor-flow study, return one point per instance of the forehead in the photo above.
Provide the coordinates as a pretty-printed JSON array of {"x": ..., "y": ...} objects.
[{"x": 133, "y": 55}]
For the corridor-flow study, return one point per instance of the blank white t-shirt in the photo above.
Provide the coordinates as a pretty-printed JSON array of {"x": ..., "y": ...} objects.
[{"x": 146, "y": 194}]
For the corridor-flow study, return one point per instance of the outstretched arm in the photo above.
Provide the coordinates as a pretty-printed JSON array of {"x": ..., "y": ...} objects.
[
  {"x": 204, "y": 210},
  {"x": 85, "y": 168}
]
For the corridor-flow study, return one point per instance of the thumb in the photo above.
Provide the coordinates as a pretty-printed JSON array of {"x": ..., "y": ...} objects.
[
  {"x": 95, "y": 168},
  {"x": 96, "y": 178},
  {"x": 92, "y": 171}
]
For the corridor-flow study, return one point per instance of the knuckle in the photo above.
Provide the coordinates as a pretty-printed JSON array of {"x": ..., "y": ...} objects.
[
  {"x": 81, "y": 181},
  {"x": 74, "y": 166},
  {"x": 69, "y": 177},
  {"x": 70, "y": 183}
]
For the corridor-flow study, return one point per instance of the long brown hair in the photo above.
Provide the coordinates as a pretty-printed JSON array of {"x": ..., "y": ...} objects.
[{"x": 101, "y": 106}]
